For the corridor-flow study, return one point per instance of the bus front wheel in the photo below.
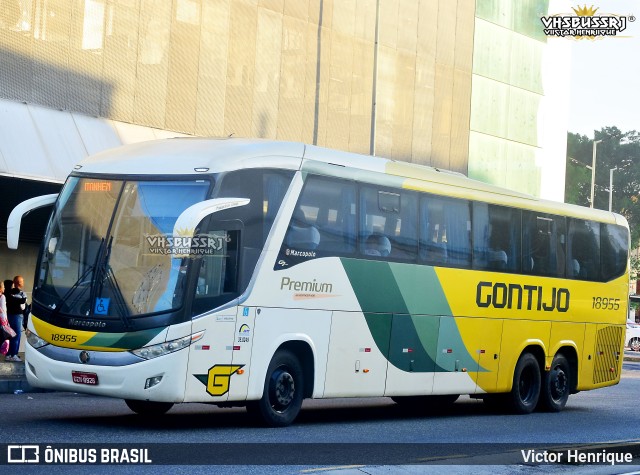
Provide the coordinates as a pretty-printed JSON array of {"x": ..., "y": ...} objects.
[
  {"x": 525, "y": 392},
  {"x": 148, "y": 408},
  {"x": 283, "y": 391},
  {"x": 556, "y": 385}
]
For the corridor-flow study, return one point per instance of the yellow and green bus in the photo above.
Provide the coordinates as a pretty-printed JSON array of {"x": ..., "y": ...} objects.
[{"x": 259, "y": 273}]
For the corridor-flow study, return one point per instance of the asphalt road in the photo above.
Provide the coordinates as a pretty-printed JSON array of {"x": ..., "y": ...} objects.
[{"x": 462, "y": 434}]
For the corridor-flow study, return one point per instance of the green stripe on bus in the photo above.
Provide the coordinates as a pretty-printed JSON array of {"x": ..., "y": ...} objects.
[
  {"x": 126, "y": 341},
  {"x": 375, "y": 286},
  {"x": 411, "y": 329}
]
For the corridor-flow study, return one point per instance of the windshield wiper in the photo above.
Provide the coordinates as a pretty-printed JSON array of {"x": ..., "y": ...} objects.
[
  {"x": 105, "y": 272},
  {"x": 120, "y": 302},
  {"x": 59, "y": 304}
]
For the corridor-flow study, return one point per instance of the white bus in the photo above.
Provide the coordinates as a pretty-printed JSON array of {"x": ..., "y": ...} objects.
[{"x": 259, "y": 273}]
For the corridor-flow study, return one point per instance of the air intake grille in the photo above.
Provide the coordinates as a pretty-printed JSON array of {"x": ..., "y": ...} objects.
[{"x": 608, "y": 343}]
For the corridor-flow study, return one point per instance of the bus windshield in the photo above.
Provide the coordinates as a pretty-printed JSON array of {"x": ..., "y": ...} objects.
[
  {"x": 110, "y": 251},
  {"x": 106, "y": 250}
]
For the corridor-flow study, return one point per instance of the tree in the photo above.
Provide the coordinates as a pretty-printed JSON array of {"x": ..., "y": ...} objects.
[{"x": 620, "y": 150}]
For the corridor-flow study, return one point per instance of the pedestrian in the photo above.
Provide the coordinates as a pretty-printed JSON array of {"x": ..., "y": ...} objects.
[
  {"x": 4, "y": 323},
  {"x": 16, "y": 304}
]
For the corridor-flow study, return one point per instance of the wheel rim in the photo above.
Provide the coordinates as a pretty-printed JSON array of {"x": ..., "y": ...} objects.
[
  {"x": 526, "y": 386},
  {"x": 282, "y": 389},
  {"x": 559, "y": 383},
  {"x": 635, "y": 344}
]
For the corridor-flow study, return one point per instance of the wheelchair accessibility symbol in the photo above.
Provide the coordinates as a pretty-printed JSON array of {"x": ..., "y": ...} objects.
[{"x": 102, "y": 306}]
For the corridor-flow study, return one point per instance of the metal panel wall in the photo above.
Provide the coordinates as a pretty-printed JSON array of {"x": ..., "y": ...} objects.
[{"x": 289, "y": 69}]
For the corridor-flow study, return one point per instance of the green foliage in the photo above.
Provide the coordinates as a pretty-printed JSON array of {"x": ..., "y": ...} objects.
[
  {"x": 634, "y": 264},
  {"x": 620, "y": 150}
]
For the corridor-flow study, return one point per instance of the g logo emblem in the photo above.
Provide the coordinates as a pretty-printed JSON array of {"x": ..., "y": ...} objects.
[{"x": 218, "y": 378}]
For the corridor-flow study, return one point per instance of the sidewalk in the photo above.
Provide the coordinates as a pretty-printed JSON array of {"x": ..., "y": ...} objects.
[{"x": 13, "y": 378}]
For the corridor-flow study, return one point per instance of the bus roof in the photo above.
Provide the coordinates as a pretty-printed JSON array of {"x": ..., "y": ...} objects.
[{"x": 189, "y": 156}]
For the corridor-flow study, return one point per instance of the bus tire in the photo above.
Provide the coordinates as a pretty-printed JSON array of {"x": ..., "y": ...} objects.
[
  {"x": 525, "y": 392},
  {"x": 283, "y": 391},
  {"x": 148, "y": 408},
  {"x": 556, "y": 385}
]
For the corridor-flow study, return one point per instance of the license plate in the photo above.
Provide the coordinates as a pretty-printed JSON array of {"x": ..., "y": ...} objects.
[{"x": 80, "y": 377}]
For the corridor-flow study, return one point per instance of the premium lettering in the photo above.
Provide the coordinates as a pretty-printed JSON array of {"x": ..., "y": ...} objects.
[
  {"x": 302, "y": 286},
  {"x": 522, "y": 297}
]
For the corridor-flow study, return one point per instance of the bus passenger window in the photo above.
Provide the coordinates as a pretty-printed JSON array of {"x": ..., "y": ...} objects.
[
  {"x": 613, "y": 248},
  {"x": 445, "y": 231},
  {"x": 496, "y": 237},
  {"x": 543, "y": 244},
  {"x": 388, "y": 223},
  {"x": 377, "y": 245},
  {"x": 584, "y": 247},
  {"x": 324, "y": 219},
  {"x": 301, "y": 234}
]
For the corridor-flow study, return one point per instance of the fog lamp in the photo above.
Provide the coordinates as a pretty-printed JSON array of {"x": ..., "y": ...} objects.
[{"x": 151, "y": 382}]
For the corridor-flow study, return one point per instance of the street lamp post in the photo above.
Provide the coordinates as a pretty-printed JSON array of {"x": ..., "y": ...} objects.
[
  {"x": 611, "y": 186},
  {"x": 593, "y": 170}
]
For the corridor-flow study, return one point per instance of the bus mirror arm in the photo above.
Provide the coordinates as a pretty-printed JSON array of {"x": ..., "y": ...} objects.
[
  {"x": 188, "y": 221},
  {"x": 15, "y": 218}
]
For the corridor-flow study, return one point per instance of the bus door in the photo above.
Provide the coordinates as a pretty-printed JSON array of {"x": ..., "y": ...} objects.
[
  {"x": 412, "y": 359},
  {"x": 210, "y": 358},
  {"x": 214, "y": 279}
]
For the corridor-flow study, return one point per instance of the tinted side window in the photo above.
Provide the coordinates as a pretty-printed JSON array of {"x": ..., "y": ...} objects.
[
  {"x": 543, "y": 244},
  {"x": 324, "y": 219},
  {"x": 583, "y": 250},
  {"x": 388, "y": 223},
  {"x": 265, "y": 190},
  {"x": 614, "y": 247},
  {"x": 496, "y": 237},
  {"x": 445, "y": 231}
]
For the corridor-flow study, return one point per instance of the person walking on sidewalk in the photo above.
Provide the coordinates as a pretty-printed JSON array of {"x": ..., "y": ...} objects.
[{"x": 16, "y": 303}]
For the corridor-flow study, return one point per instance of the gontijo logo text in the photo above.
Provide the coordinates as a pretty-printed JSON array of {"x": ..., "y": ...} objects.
[
  {"x": 585, "y": 23},
  {"x": 522, "y": 297}
]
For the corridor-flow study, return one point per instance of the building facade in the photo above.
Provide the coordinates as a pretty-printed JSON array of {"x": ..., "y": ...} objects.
[{"x": 456, "y": 84}]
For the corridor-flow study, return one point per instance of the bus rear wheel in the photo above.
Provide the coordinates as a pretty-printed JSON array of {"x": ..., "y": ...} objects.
[
  {"x": 283, "y": 391},
  {"x": 525, "y": 392},
  {"x": 148, "y": 408},
  {"x": 556, "y": 385}
]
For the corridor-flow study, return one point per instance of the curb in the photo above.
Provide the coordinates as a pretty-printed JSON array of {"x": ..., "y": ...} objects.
[{"x": 17, "y": 386}]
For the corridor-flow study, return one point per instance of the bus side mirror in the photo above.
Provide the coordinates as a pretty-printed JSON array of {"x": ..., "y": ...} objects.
[
  {"x": 15, "y": 218},
  {"x": 188, "y": 221}
]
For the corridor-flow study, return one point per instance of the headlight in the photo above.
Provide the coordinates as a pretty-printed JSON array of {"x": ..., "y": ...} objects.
[
  {"x": 149, "y": 352},
  {"x": 34, "y": 340}
]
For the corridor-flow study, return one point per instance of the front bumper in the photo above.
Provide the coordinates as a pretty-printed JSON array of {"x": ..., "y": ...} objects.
[{"x": 51, "y": 368}]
